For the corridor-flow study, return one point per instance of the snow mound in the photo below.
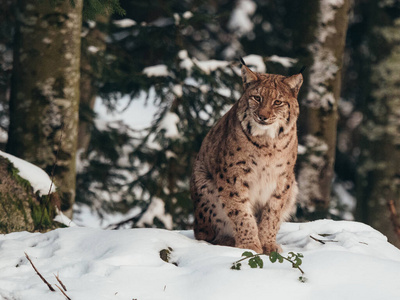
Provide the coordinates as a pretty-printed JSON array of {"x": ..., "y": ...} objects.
[{"x": 350, "y": 261}]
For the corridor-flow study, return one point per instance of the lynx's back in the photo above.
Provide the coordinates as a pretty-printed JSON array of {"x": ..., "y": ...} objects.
[{"x": 243, "y": 184}]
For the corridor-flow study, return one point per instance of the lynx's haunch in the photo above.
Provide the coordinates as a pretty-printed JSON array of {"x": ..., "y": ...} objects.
[{"x": 243, "y": 184}]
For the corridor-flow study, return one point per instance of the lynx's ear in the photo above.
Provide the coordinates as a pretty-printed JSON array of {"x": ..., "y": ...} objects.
[
  {"x": 294, "y": 82},
  {"x": 248, "y": 76}
]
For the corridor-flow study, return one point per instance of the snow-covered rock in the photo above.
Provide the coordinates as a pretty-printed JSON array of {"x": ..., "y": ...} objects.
[{"x": 38, "y": 178}]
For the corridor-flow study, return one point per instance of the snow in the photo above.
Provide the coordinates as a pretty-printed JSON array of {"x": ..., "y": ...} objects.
[
  {"x": 256, "y": 61},
  {"x": 177, "y": 90},
  {"x": 84, "y": 216},
  {"x": 169, "y": 123},
  {"x": 356, "y": 262},
  {"x": 177, "y": 19},
  {"x": 156, "y": 71},
  {"x": 38, "y": 178},
  {"x": 301, "y": 150},
  {"x": 137, "y": 114},
  {"x": 287, "y": 62},
  {"x": 186, "y": 62},
  {"x": 123, "y": 23},
  {"x": 344, "y": 199},
  {"x": 93, "y": 49},
  {"x": 240, "y": 21},
  {"x": 187, "y": 15},
  {"x": 3, "y": 136},
  {"x": 310, "y": 169},
  {"x": 208, "y": 66},
  {"x": 156, "y": 209},
  {"x": 63, "y": 219}
]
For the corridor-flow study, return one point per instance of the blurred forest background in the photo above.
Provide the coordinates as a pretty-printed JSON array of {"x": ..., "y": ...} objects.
[{"x": 61, "y": 59}]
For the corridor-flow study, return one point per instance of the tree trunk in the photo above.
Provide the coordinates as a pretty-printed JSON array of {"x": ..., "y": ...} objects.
[
  {"x": 92, "y": 59},
  {"x": 320, "y": 38},
  {"x": 379, "y": 163},
  {"x": 45, "y": 90}
]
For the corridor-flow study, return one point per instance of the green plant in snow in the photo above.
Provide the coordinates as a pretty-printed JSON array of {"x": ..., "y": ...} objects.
[{"x": 255, "y": 261}]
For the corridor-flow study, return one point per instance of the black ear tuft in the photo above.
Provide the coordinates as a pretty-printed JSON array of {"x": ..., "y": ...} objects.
[
  {"x": 242, "y": 61},
  {"x": 302, "y": 69}
]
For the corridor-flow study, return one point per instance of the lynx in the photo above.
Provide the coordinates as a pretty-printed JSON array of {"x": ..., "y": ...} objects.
[{"x": 243, "y": 184}]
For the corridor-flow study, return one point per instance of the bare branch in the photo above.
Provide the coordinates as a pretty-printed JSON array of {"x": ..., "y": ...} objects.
[
  {"x": 59, "y": 280},
  {"x": 63, "y": 292},
  {"x": 322, "y": 241},
  {"x": 40, "y": 275},
  {"x": 394, "y": 217},
  {"x": 315, "y": 239}
]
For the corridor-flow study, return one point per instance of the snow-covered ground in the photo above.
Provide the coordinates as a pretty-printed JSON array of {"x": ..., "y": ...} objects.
[
  {"x": 342, "y": 260},
  {"x": 356, "y": 262}
]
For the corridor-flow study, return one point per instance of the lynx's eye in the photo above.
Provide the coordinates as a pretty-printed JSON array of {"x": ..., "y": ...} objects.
[
  {"x": 257, "y": 98},
  {"x": 277, "y": 102}
]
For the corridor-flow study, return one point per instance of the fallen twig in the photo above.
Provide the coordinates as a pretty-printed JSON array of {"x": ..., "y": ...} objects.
[
  {"x": 322, "y": 241},
  {"x": 63, "y": 292},
  {"x": 40, "y": 275},
  {"x": 59, "y": 280},
  {"x": 315, "y": 239}
]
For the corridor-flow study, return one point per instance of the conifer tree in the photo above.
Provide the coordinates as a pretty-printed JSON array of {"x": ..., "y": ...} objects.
[{"x": 154, "y": 52}]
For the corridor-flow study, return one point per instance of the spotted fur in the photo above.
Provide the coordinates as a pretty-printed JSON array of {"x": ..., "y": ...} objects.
[{"x": 243, "y": 184}]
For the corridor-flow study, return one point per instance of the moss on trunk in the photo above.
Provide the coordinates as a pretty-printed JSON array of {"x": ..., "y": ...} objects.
[{"x": 20, "y": 208}]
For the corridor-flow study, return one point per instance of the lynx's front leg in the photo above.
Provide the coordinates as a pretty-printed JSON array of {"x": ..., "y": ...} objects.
[
  {"x": 277, "y": 208},
  {"x": 245, "y": 230}
]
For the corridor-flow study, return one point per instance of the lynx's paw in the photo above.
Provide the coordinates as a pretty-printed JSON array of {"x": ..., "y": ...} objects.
[
  {"x": 271, "y": 247},
  {"x": 256, "y": 247}
]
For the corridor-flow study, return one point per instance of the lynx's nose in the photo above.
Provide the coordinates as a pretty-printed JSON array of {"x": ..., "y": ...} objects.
[
  {"x": 263, "y": 115},
  {"x": 262, "y": 118}
]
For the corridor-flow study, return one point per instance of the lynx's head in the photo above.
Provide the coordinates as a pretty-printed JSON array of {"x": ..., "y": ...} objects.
[{"x": 268, "y": 106}]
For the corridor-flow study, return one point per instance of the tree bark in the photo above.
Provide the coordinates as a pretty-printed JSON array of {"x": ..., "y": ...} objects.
[
  {"x": 379, "y": 164},
  {"x": 92, "y": 61},
  {"x": 320, "y": 38},
  {"x": 44, "y": 98}
]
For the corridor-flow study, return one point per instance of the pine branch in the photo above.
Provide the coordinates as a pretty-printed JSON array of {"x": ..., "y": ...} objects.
[
  {"x": 132, "y": 220},
  {"x": 40, "y": 275}
]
